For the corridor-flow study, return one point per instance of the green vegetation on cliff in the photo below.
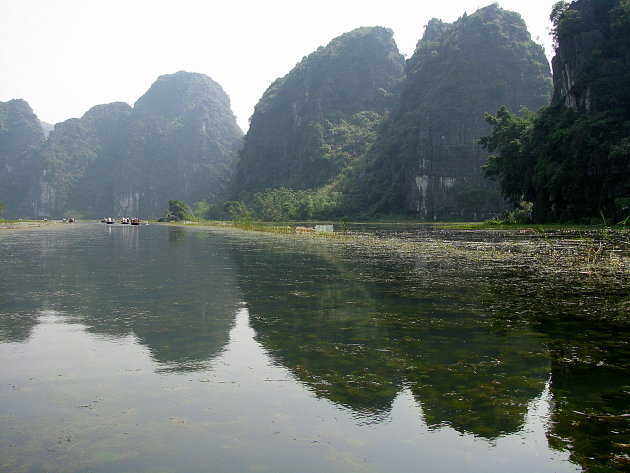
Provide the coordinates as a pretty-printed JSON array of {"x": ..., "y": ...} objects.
[
  {"x": 323, "y": 115},
  {"x": 572, "y": 159},
  {"x": 21, "y": 135},
  {"x": 426, "y": 160}
]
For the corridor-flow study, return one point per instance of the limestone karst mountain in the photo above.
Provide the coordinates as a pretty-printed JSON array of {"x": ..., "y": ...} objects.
[
  {"x": 426, "y": 160},
  {"x": 21, "y": 135},
  {"x": 321, "y": 116},
  {"x": 391, "y": 137},
  {"x": 179, "y": 141}
]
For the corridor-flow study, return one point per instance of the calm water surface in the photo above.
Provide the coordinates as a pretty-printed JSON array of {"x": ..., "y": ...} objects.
[{"x": 163, "y": 349}]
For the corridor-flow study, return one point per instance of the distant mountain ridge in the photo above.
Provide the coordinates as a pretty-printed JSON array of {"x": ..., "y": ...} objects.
[
  {"x": 353, "y": 120},
  {"x": 179, "y": 141}
]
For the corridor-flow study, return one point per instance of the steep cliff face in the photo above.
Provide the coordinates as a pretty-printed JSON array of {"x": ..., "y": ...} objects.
[
  {"x": 77, "y": 161},
  {"x": 567, "y": 65},
  {"x": 183, "y": 144},
  {"x": 592, "y": 60},
  {"x": 313, "y": 122},
  {"x": 427, "y": 161},
  {"x": 178, "y": 142},
  {"x": 582, "y": 145},
  {"x": 21, "y": 135}
]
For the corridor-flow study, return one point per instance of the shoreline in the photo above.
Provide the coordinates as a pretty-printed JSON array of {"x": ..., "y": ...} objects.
[{"x": 17, "y": 225}]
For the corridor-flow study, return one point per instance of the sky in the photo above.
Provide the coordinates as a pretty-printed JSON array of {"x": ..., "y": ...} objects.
[{"x": 65, "y": 56}]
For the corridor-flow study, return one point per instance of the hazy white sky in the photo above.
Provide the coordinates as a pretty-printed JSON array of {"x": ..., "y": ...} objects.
[{"x": 65, "y": 56}]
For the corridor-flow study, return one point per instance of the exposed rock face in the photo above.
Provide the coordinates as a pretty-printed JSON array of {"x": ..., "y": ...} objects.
[
  {"x": 183, "y": 144},
  {"x": 592, "y": 56},
  {"x": 456, "y": 75},
  {"x": 567, "y": 65},
  {"x": 313, "y": 122},
  {"x": 428, "y": 157},
  {"x": 178, "y": 142},
  {"x": 78, "y": 160},
  {"x": 21, "y": 135}
]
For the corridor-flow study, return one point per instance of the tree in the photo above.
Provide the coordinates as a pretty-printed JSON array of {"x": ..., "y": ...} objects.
[
  {"x": 558, "y": 12},
  {"x": 572, "y": 159},
  {"x": 511, "y": 162},
  {"x": 238, "y": 211},
  {"x": 177, "y": 212},
  {"x": 205, "y": 211}
]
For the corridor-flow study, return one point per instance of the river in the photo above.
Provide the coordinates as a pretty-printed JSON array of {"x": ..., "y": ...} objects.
[{"x": 170, "y": 349}]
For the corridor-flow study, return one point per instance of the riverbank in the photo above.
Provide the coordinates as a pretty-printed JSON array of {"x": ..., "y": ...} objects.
[
  {"x": 18, "y": 224},
  {"x": 572, "y": 253}
]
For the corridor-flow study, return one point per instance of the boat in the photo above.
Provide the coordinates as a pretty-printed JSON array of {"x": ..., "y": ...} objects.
[{"x": 135, "y": 221}]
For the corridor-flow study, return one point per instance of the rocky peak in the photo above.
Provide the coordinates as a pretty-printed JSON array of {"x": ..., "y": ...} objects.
[
  {"x": 174, "y": 95},
  {"x": 19, "y": 127},
  {"x": 427, "y": 160},
  {"x": 293, "y": 139}
]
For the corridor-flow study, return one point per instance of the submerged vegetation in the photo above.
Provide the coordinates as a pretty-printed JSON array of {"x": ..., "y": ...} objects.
[
  {"x": 437, "y": 296},
  {"x": 573, "y": 254}
]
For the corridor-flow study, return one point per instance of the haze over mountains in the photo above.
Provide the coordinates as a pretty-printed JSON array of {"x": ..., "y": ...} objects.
[
  {"x": 353, "y": 123},
  {"x": 179, "y": 141}
]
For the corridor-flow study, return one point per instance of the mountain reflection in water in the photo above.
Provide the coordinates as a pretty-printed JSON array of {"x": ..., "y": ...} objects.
[
  {"x": 358, "y": 351},
  {"x": 177, "y": 295},
  {"x": 358, "y": 342}
]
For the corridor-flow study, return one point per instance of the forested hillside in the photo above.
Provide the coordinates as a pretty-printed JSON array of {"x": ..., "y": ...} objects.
[
  {"x": 571, "y": 160},
  {"x": 322, "y": 116},
  {"x": 21, "y": 135},
  {"x": 426, "y": 160}
]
